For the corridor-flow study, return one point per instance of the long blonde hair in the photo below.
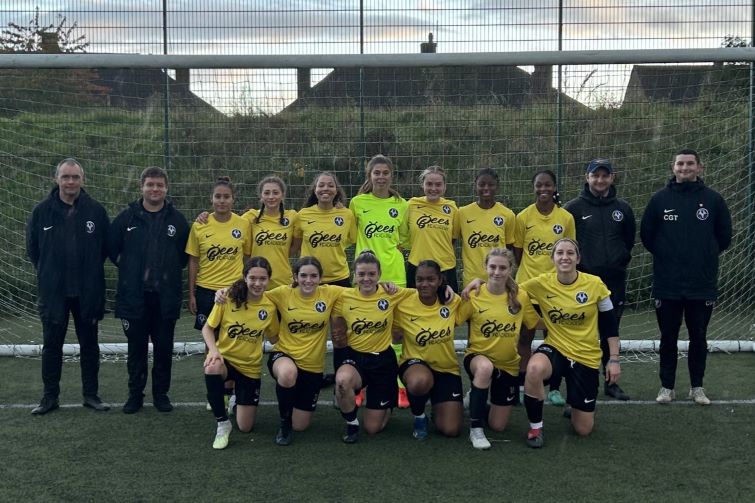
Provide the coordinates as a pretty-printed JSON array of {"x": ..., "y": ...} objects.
[{"x": 511, "y": 288}]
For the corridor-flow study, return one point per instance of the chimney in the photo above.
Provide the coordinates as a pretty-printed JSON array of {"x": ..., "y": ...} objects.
[
  {"x": 183, "y": 80},
  {"x": 49, "y": 42},
  {"x": 542, "y": 79},
  {"x": 429, "y": 46},
  {"x": 303, "y": 81}
]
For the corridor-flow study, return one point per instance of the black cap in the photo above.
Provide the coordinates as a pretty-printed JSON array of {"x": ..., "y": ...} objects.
[{"x": 595, "y": 164}]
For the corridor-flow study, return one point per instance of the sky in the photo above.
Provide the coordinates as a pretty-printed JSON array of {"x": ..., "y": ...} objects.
[{"x": 390, "y": 26}]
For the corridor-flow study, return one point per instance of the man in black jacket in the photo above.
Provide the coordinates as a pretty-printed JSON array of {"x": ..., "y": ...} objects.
[
  {"x": 66, "y": 240},
  {"x": 147, "y": 242},
  {"x": 605, "y": 231},
  {"x": 686, "y": 225}
]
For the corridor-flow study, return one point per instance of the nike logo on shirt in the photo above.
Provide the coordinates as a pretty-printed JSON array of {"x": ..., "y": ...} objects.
[
  {"x": 669, "y": 211},
  {"x": 550, "y": 296},
  {"x": 46, "y": 228},
  {"x": 585, "y": 217},
  {"x": 129, "y": 229},
  {"x": 366, "y": 211},
  {"x": 291, "y": 308},
  {"x": 529, "y": 227},
  {"x": 483, "y": 310},
  {"x": 208, "y": 235},
  {"x": 470, "y": 221}
]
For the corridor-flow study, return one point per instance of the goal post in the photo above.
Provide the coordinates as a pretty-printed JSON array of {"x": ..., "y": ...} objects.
[{"x": 247, "y": 116}]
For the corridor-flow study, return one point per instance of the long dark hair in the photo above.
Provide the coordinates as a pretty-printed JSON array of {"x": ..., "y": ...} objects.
[
  {"x": 340, "y": 196},
  {"x": 306, "y": 260},
  {"x": 556, "y": 195},
  {"x": 441, "y": 292},
  {"x": 238, "y": 292},
  {"x": 282, "y": 185}
]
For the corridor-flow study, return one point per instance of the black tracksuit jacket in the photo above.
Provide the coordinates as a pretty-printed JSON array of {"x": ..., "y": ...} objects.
[
  {"x": 606, "y": 228},
  {"x": 128, "y": 244},
  {"x": 45, "y": 241},
  {"x": 686, "y": 226}
]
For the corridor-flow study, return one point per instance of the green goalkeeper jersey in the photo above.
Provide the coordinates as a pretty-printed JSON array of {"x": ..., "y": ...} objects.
[{"x": 382, "y": 227}]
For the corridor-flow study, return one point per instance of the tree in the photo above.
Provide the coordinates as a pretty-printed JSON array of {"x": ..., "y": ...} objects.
[{"x": 35, "y": 37}]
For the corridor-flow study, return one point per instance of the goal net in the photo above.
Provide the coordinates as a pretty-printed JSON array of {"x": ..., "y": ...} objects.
[{"x": 464, "y": 113}]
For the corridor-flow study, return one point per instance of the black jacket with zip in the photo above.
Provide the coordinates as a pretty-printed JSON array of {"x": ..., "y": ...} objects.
[
  {"x": 128, "y": 244},
  {"x": 45, "y": 242},
  {"x": 606, "y": 228},
  {"x": 685, "y": 227}
]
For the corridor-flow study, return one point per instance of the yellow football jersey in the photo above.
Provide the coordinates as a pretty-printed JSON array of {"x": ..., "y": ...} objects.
[
  {"x": 535, "y": 235},
  {"x": 432, "y": 229},
  {"x": 304, "y": 323},
  {"x": 240, "y": 339},
  {"x": 368, "y": 319},
  {"x": 428, "y": 331},
  {"x": 220, "y": 247},
  {"x": 272, "y": 239},
  {"x": 480, "y": 231},
  {"x": 326, "y": 235},
  {"x": 494, "y": 329},
  {"x": 570, "y": 313}
]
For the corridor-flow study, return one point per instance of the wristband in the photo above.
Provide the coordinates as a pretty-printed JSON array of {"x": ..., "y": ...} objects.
[{"x": 613, "y": 360}]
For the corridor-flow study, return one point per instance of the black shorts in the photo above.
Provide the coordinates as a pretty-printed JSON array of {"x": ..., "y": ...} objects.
[
  {"x": 446, "y": 387},
  {"x": 504, "y": 388},
  {"x": 307, "y": 385},
  {"x": 450, "y": 274},
  {"x": 581, "y": 380},
  {"x": 378, "y": 371},
  {"x": 205, "y": 303},
  {"x": 247, "y": 389},
  {"x": 345, "y": 282}
]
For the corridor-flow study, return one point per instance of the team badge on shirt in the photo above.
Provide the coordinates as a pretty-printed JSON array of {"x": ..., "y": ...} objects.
[
  {"x": 393, "y": 212},
  {"x": 513, "y": 311},
  {"x": 338, "y": 221},
  {"x": 557, "y": 229},
  {"x": 171, "y": 230},
  {"x": 262, "y": 314},
  {"x": 382, "y": 304},
  {"x": 702, "y": 214},
  {"x": 284, "y": 222},
  {"x": 581, "y": 297},
  {"x": 446, "y": 209},
  {"x": 444, "y": 312},
  {"x": 90, "y": 226},
  {"x": 498, "y": 221},
  {"x": 236, "y": 233},
  {"x": 617, "y": 216},
  {"x": 320, "y": 307}
]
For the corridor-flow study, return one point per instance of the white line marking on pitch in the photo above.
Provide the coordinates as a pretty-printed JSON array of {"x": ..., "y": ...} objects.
[{"x": 329, "y": 403}]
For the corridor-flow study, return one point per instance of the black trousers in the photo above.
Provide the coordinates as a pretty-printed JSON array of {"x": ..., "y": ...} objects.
[
  {"x": 139, "y": 331},
  {"x": 696, "y": 314},
  {"x": 618, "y": 287},
  {"x": 54, "y": 335}
]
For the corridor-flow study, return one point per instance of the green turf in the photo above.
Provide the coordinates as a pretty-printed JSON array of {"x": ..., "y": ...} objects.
[{"x": 678, "y": 452}]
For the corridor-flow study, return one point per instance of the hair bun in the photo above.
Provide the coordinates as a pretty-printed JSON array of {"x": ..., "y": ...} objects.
[{"x": 226, "y": 179}]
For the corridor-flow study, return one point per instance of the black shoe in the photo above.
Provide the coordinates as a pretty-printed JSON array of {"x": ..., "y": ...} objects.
[
  {"x": 616, "y": 392},
  {"x": 352, "y": 434},
  {"x": 133, "y": 404},
  {"x": 45, "y": 406},
  {"x": 94, "y": 402},
  {"x": 327, "y": 380},
  {"x": 284, "y": 436},
  {"x": 162, "y": 403}
]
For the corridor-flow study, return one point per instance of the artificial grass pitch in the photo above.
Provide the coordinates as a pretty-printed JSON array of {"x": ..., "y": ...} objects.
[{"x": 641, "y": 450}]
